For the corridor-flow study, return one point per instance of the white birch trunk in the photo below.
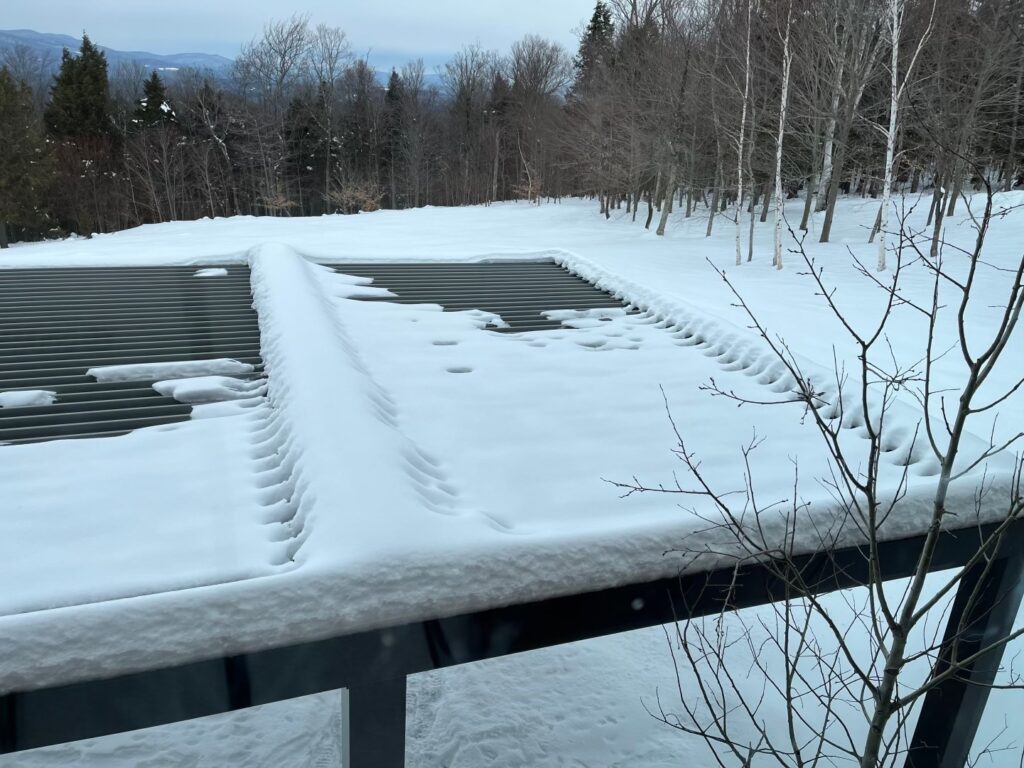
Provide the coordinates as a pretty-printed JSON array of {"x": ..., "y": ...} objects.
[
  {"x": 895, "y": 21},
  {"x": 739, "y": 152},
  {"x": 787, "y": 60},
  {"x": 1011, "y": 156},
  {"x": 830, "y": 138},
  {"x": 896, "y": 86}
]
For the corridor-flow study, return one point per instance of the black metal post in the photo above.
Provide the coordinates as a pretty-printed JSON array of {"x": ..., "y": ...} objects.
[
  {"x": 373, "y": 734},
  {"x": 983, "y": 613}
]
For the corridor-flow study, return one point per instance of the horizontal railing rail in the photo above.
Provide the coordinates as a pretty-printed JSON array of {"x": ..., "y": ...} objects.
[{"x": 373, "y": 665}]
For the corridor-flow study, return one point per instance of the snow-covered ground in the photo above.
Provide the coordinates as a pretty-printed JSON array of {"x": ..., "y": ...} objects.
[{"x": 400, "y": 434}]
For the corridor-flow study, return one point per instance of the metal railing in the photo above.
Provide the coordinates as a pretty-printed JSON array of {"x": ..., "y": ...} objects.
[{"x": 373, "y": 666}]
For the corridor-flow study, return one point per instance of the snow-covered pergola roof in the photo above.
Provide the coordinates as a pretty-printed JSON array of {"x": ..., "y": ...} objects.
[
  {"x": 404, "y": 464},
  {"x": 398, "y": 464}
]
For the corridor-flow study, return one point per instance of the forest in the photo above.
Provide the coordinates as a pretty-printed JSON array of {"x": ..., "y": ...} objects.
[{"x": 722, "y": 107}]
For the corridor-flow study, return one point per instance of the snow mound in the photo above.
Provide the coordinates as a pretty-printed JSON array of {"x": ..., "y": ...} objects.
[
  {"x": 206, "y": 389},
  {"x": 25, "y": 398},
  {"x": 211, "y": 272},
  {"x": 178, "y": 369}
]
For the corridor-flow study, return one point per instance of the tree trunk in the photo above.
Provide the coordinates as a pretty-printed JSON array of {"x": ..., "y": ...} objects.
[
  {"x": 938, "y": 213},
  {"x": 809, "y": 196},
  {"x": 876, "y": 227},
  {"x": 666, "y": 209},
  {"x": 833, "y": 191},
  {"x": 743, "y": 127},
  {"x": 1011, "y": 155},
  {"x": 954, "y": 193},
  {"x": 750, "y": 173},
  {"x": 750, "y": 239},
  {"x": 895, "y": 21},
  {"x": 830, "y": 135},
  {"x": 494, "y": 172},
  {"x": 3, "y": 235},
  {"x": 714, "y": 198},
  {"x": 787, "y": 60}
]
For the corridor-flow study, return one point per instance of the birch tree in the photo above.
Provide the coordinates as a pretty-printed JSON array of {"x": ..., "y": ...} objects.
[
  {"x": 787, "y": 61},
  {"x": 897, "y": 86},
  {"x": 863, "y": 38},
  {"x": 847, "y": 688},
  {"x": 740, "y": 145}
]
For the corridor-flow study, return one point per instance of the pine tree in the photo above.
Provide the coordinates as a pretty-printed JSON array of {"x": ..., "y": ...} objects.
[
  {"x": 86, "y": 144},
  {"x": 306, "y": 151},
  {"x": 80, "y": 96},
  {"x": 153, "y": 109},
  {"x": 498, "y": 108},
  {"x": 24, "y": 167},
  {"x": 596, "y": 49},
  {"x": 391, "y": 151}
]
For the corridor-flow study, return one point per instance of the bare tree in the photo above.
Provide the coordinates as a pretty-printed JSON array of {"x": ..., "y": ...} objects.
[
  {"x": 897, "y": 86},
  {"x": 862, "y": 46},
  {"x": 742, "y": 133},
  {"x": 327, "y": 55},
  {"x": 539, "y": 72},
  {"x": 878, "y": 666},
  {"x": 32, "y": 68},
  {"x": 787, "y": 62}
]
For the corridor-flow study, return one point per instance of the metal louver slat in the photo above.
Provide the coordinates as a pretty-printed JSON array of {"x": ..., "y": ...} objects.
[
  {"x": 55, "y": 324},
  {"x": 519, "y": 292}
]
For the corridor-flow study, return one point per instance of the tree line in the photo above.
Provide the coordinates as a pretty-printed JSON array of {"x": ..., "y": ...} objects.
[{"x": 727, "y": 107}]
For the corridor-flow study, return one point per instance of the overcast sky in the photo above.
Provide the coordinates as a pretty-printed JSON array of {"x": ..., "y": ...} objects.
[{"x": 392, "y": 31}]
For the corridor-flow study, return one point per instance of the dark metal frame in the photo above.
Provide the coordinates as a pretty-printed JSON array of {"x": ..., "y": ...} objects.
[{"x": 373, "y": 665}]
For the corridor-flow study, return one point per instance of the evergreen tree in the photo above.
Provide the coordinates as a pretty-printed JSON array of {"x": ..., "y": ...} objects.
[
  {"x": 498, "y": 107},
  {"x": 24, "y": 167},
  {"x": 359, "y": 128},
  {"x": 394, "y": 99},
  {"x": 80, "y": 96},
  {"x": 501, "y": 97},
  {"x": 153, "y": 109},
  {"x": 596, "y": 49},
  {"x": 306, "y": 151}
]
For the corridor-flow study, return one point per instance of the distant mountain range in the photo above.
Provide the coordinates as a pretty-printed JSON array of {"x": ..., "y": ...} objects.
[{"x": 49, "y": 47}]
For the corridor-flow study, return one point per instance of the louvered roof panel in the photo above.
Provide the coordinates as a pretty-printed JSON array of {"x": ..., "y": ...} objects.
[
  {"x": 56, "y": 324},
  {"x": 517, "y": 291}
]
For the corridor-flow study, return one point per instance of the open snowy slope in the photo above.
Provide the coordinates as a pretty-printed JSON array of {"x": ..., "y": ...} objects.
[{"x": 408, "y": 463}]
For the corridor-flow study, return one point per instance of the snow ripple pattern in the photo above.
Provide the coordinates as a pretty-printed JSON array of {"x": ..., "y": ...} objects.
[{"x": 904, "y": 446}]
